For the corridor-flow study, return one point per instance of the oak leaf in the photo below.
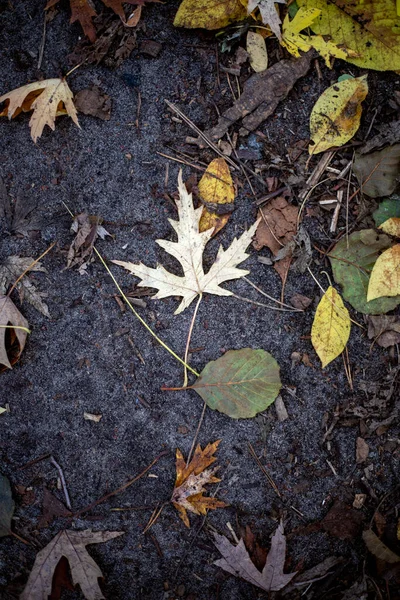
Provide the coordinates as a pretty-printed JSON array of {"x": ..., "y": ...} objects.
[
  {"x": 268, "y": 12},
  {"x": 236, "y": 560},
  {"x": 54, "y": 96},
  {"x": 84, "y": 570},
  {"x": 190, "y": 482},
  {"x": 13, "y": 332},
  {"x": 189, "y": 252},
  {"x": 331, "y": 327}
]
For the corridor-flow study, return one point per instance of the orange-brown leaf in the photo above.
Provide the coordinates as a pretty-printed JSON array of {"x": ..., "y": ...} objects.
[{"x": 200, "y": 461}]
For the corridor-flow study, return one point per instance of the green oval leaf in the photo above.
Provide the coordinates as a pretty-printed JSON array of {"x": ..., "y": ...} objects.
[
  {"x": 241, "y": 383},
  {"x": 388, "y": 208},
  {"x": 6, "y": 506}
]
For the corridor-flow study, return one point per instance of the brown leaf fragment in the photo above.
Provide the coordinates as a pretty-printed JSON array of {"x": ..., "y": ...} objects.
[
  {"x": 362, "y": 450},
  {"x": 299, "y": 301},
  {"x": 378, "y": 548},
  {"x": 92, "y": 101},
  {"x": 87, "y": 229},
  {"x": 12, "y": 341},
  {"x": 150, "y": 48},
  {"x": 236, "y": 560},
  {"x": 51, "y": 508},
  {"x": 82, "y": 11},
  {"x": 384, "y": 329},
  {"x": 277, "y": 228},
  {"x": 190, "y": 482},
  {"x": 84, "y": 570},
  {"x": 342, "y": 521},
  {"x": 378, "y": 172}
]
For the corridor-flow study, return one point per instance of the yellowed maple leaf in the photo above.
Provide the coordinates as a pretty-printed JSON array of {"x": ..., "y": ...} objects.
[
  {"x": 49, "y": 98},
  {"x": 190, "y": 482}
]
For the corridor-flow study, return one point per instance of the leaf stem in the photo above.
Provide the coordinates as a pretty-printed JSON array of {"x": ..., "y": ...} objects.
[
  {"x": 15, "y": 327},
  {"x": 185, "y": 376}
]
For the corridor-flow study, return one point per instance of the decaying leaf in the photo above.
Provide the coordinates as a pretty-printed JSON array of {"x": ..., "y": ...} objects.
[
  {"x": 331, "y": 327},
  {"x": 12, "y": 340},
  {"x": 190, "y": 482},
  {"x": 11, "y": 269},
  {"x": 87, "y": 229},
  {"x": 277, "y": 228},
  {"x": 92, "y": 101},
  {"x": 18, "y": 217},
  {"x": 84, "y": 570},
  {"x": 342, "y": 521},
  {"x": 269, "y": 13},
  {"x": 336, "y": 115},
  {"x": 378, "y": 172},
  {"x": 236, "y": 560},
  {"x": 362, "y": 450},
  {"x": 391, "y": 226},
  {"x": 378, "y": 548},
  {"x": 241, "y": 383},
  {"x": 257, "y": 50},
  {"x": 6, "y": 506},
  {"x": 189, "y": 252},
  {"x": 384, "y": 330},
  {"x": 209, "y": 14},
  {"x": 385, "y": 276},
  {"x": 387, "y": 209},
  {"x": 352, "y": 261},
  {"x": 368, "y": 27},
  {"x": 50, "y": 96},
  {"x": 218, "y": 194},
  {"x": 51, "y": 508},
  {"x": 294, "y": 40}
]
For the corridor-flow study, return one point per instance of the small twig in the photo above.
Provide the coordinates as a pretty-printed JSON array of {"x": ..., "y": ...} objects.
[
  {"x": 62, "y": 478},
  {"x": 154, "y": 517},
  {"x": 42, "y": 43},
  {"x": 196, "y": 434},
  {"x": 264, "y": 470},
  {"x": 270, "y": 297},
  {"x": 243, "y": 299},
  {"x": 181, "y": 161},
  {"x": 336, "y": 212}
]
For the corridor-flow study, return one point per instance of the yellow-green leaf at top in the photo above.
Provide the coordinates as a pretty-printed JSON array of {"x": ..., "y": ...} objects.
[
  {"x": 371, "y": 28},
  {"x": 331, "y": 327},
  {"x": 209, "y": 14},
  {"x": 385, "y": 276},
  {"x": 336, "y": 115}
]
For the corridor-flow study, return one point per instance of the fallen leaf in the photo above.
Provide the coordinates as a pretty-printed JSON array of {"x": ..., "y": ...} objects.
[
  {"x": 87, "y": 229},
  {"x": 378, "y": 172},
  {"x": 331, "y": 327},
  {"x": 11, "y": 269},
  {"x": 385, "y": 276},
  {"x": 209, "y": 14},
  {"x": 378, "y": 548},
  {"x": 268, "y": 12},
  {"x": 368, "y": 27},
  {"x": 257, "y": 50},
  {"x": 91, "y": 417},
  {"x": 342, "y": 521},
  {"x": 391, "y": 226},
  {"x": 190, "y": 482},
  {"x": 18, "y": 217},
  {"x": 241, "y": 383},
  {"x": 352, "y": 261},
  {"x": 236, "y": 560},
  {"x": 189, "y": 252},
  {"x": 362, "y": 450},
  {"x": 84, "y": 570},
  {"x": 388, "y": 208},
  {"x": 54, "y": 94},
  {"x": 278, "y": 226},
  {"x": 215, "y": 188},
  {"x": 335, "y": 117},
  {"x": 6, "y": 506},
  {"x": 384, "y": 330},
  {"x": 12, "y": 340},
  {"x": 92, "y": 101},
  {"x": 293, "y": 40},
  {"x": 51, "y": 508},
  {"x": 300, "y": 301}
]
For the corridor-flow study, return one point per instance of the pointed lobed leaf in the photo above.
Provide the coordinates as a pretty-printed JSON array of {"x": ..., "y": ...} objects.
[
  {"x": 241, "y": 383},
  {"x": 385, "y": 276},
  {"x": 6, "y": 506},
  {"x": 331, "y": 327}
]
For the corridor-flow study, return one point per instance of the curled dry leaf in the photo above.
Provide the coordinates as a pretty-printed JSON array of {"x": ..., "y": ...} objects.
[
  {"x": 12, "y": 337},
  {"x": 331, "y": 327},
  {"x": 336, "y": 115},
  {"x": 51, "y": 97},
  {"x": 84, "y": 570},
  {"x": 385, "y": 276},
  {"x": 190, "y": 482},
  {"x": 217, "y": 194}
]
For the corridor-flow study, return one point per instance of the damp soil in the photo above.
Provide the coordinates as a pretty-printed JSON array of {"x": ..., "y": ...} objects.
[{"x": 82, "y": 358}]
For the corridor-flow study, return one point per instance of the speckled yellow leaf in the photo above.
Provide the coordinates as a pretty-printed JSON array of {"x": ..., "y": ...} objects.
[
  {"x": 209, "y": 14},
  {"x": 331, "y": 327},
  {"x": 385, "y": 276},
  {"x": 336, "y": 115},
  {"x": 391, "y": 226},
  {"x": 371, "y": 28},
  {"x": 294, "y": 41},
  {"x": 216, "y": 187},
  {"x": 255, "y": 46}
]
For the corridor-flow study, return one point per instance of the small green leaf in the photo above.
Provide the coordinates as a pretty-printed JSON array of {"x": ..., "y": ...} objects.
[
  {"x": 6, "y": 506},
  {"x": 345, "y": 76},
  {"x": 388, "y": 208},
  {"x": 241, "y": 383},
  {"x": 352, "y": 265}
]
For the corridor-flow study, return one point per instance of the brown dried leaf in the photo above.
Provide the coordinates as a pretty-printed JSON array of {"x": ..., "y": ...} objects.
[
  {"x": 12, "y": 341},
  {"x": 87, "y": 229},
  {"x": 384, "y": 329},
  {"x": 342, "y": 521},
  {"x": 92, "y": 101},
  {"x": 236, "y": 560},
  {"x": 51, "y": 508},
  {"x": 84, "y": 570},
  {"x": 190, "y": 482}
]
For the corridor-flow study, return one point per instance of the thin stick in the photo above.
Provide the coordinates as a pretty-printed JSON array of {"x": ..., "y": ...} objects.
[
  {"x": 264, "y": 470},
  {"x": 265, "y": 305},
  {"x": 154, "y": 517},
  {"x": 120, "y": 489},
  {"x": 270, "y": 297},
  {"x": 196, "y": 434},
  {"x": 180, "y": 160},
  {"x": 42, "y": 43},
  {"x": 185, "y": 376},
  {"x": 64, "y": 485}
]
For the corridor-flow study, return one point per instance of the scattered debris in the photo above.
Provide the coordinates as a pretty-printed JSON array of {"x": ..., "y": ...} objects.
[
  {"x": 87, "y": 229},
  {"x": 92, "y": 101},
  {"x": 362, "y": 450},
  {"x": 90, "y": 417}
]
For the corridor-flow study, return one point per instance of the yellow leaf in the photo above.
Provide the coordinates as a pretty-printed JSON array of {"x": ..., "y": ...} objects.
[
  {"x": 209, "y": 14},
  {"x": 294, "y": 41},
  {"x": 385, "y": 276},
  {"x": 391, "y": 226},
  {"x": 216, "y": 187},
  {"x": 331, "y": 327},
  {"x": 45, "y": 106},
  {"x": 371, "y": 28},
  {"x": 255, "y": 46},
  {"x": 336, "y": 115}
]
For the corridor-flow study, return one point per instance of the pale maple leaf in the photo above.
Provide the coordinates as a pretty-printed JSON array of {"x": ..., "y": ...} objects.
[
  {"x": 47, "y": 99},
  {"x": 269, "y": 14},
  {"x": 188, "y": 250}
]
